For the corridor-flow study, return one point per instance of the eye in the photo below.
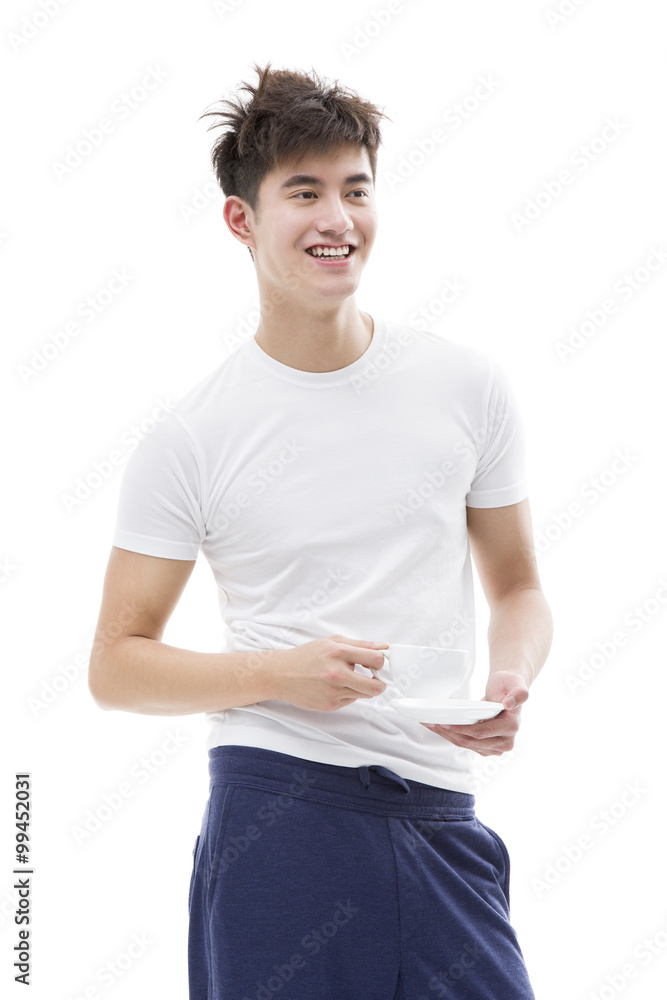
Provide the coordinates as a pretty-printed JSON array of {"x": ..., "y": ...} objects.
[
  {"x": 360, "y": 191},
  {"x": 305, "y": 193}
]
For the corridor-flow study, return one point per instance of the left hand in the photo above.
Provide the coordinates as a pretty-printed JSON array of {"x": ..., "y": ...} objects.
[{"x": 494, "y": 736}]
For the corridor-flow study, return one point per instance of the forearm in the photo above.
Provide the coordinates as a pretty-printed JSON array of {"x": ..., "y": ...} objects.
[
  {"x": 520, "y": 633},
  {"x": 137, "y": 674}
]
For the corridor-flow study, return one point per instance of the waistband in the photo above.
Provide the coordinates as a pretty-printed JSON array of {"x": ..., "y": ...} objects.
[{"x": 369, "y": 787}]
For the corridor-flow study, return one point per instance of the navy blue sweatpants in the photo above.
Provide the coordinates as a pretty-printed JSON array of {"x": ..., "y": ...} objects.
[{"x": 321, "y": 882}]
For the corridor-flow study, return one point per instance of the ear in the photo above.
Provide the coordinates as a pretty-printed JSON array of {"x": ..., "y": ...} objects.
[{"x": 239, "y": 218}]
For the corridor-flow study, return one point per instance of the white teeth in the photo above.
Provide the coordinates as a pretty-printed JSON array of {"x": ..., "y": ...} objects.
[{"x": 329, "y": 251}]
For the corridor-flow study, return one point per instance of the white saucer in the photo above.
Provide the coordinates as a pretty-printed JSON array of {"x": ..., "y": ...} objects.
[{"x": 455, "y": 712}]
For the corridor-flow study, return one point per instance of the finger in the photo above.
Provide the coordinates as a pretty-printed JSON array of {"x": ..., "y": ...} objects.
[
  {"x": 360, "y": 642},
  {"x": 458, "y": 734},
  {"x": 365, "y": 688},
  {"x": 505, "y": 721},
  {"x": 477, "y": 737},
  {"x": 366, "y": 655},
  {"x": 506, "y": 729},
  {"x": 358, "y": 684},
  {"x": 490, "y": 746},
  {"x": 513, "y": 699},
  {"x": 479, "y": 730}
]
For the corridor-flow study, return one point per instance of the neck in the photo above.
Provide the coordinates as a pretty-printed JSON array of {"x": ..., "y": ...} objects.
[{"x": 324, "y": 338}]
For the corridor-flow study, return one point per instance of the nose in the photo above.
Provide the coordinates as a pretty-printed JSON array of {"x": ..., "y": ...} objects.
[{"x": 334, "y": 216}]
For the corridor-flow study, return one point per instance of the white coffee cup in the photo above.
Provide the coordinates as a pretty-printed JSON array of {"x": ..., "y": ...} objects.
[{"x": 431, "y": 672}]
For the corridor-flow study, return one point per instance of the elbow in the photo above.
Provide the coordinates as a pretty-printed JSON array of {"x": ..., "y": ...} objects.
[{"x": 97, "y": 687}]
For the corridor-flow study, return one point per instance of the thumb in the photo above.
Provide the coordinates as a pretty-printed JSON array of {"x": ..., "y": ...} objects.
[
  {"x": 508, "y": 688},
  {"x": 514, "y": 697},
  {"x": 360, "y": 642}
]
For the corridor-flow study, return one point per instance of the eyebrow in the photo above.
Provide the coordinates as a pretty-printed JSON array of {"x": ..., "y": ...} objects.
[{"x": 297, "y": 179}]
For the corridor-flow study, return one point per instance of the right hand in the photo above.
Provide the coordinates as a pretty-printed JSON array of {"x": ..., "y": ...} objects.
[{"x": 320, "y": 674}]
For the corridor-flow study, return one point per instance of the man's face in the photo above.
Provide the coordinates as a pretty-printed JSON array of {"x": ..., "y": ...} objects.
[{"x": 321, "y": 201}]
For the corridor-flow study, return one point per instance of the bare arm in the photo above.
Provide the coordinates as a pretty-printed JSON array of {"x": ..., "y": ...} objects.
[
  {"x": 520, "y": 623},
  {"x": 132, "y": 670}
]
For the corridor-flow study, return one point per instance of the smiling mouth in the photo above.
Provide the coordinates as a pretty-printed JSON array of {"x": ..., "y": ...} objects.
[{"x": 323, "y": 253}]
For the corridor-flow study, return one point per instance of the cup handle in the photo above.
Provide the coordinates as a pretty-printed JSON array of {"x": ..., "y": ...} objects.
[
  {"x": 384, "y": 669},
  {"x": 470, "y": 666}
]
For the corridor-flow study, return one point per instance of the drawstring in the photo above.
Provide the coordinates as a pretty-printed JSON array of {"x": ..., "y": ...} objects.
[{"x": 365, "y": 778}]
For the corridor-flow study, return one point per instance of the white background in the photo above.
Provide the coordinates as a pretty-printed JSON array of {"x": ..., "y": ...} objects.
[{"x": 144, "y": 201}]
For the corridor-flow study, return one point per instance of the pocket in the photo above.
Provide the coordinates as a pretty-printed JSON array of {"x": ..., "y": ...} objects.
[
  {"x": 500, "y": 851},
  {"x": 192, "y": 876},
  {"x": 220, "y": 801}
]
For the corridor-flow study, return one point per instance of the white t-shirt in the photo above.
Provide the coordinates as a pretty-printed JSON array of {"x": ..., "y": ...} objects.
[{"x": 334, "y": 503}]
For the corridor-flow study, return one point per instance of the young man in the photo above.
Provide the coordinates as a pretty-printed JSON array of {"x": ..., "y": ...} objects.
[{"x": 336, "y": 470}]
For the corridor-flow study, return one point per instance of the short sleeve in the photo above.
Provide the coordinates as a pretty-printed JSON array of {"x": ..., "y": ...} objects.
[
  {"x": 159, "y": 507},
  {"x": 500, "y": 475}
]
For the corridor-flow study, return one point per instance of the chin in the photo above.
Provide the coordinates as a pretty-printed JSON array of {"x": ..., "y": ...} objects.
[{"x": 341, "y": 292}]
